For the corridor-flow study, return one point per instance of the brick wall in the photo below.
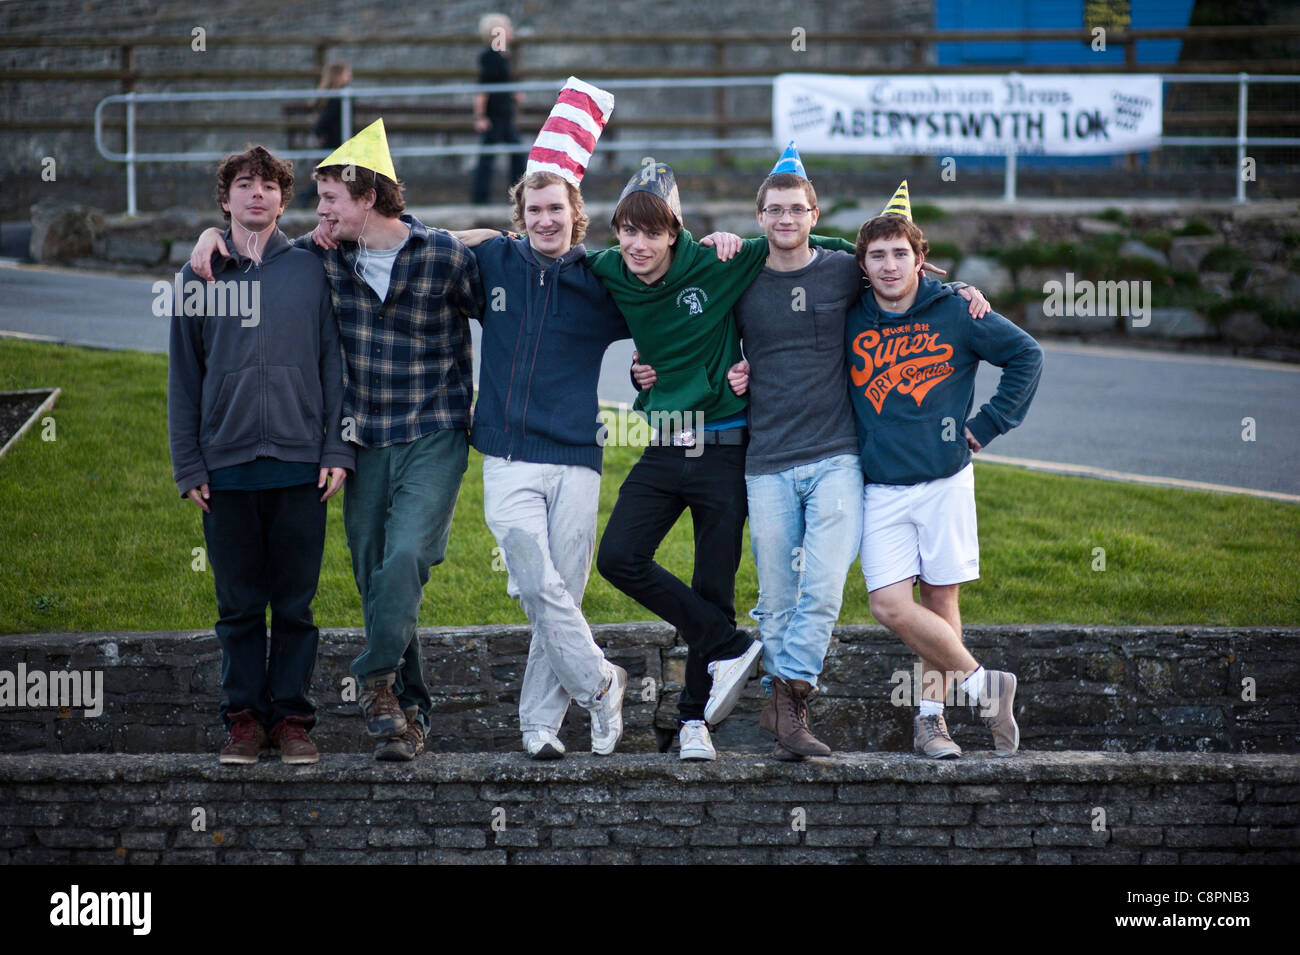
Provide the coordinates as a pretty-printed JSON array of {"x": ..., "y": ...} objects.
[
  {"x": 875, "y": 808},
  {"x": 1113, "y": 689}
]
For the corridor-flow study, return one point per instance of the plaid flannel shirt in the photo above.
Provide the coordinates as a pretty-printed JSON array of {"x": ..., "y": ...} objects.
[{"x": 407, "y": 367}]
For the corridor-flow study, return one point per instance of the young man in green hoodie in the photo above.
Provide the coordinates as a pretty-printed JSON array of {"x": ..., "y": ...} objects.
[{"x": 678, "y": 299}]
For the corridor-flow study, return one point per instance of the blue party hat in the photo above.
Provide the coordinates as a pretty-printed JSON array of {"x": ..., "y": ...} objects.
[{"x": 789, "y": 162}]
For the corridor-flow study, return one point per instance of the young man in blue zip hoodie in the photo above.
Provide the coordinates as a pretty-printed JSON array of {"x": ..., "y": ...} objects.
[
  {"x": 547, "y": 324},
  {"x": 913, "y": 355}
]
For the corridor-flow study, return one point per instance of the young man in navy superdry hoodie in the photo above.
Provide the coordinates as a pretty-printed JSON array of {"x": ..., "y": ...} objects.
[{"x": 913, "y": 354}]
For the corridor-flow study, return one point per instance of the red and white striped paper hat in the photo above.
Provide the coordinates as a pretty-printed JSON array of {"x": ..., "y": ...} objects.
[{"x": 566, "y": 142}]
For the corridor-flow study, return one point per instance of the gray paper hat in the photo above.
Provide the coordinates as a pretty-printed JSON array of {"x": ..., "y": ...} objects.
[{"x": 656, "y": 178}]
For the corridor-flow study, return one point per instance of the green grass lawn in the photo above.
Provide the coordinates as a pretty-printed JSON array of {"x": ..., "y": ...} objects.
[{"x": 93, "y": 535}]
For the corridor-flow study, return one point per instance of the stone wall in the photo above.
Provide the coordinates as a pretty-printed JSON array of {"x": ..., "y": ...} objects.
[
  {"x": 891, "y": 809},
  {"x": 1113, "y": 689}
]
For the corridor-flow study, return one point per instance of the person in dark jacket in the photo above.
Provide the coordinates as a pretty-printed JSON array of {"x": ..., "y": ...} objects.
[
  {"x": 494, "y": 113},
  {"x": 546, "y": 326},
  {"x": 327, "y": 132},
  {"x": 255, "y": 392}
]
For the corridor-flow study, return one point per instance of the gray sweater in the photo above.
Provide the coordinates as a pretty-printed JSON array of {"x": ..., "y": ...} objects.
[
  {"x": 254, "y": 366},
  {"x": 792, "y": 324}
]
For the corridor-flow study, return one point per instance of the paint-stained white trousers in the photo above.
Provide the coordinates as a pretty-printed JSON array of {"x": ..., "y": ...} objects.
[{"x": 544, "y": 518}]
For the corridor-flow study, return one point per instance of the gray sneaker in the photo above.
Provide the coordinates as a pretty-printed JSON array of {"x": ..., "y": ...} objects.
[
  {"x": 996, "y": 709},
  {"x": 930, "y": 737},
  {"x": 541, "y": 744}
]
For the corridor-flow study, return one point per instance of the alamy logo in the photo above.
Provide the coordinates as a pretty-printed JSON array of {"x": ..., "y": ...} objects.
[
  {"x": 227, "y": 298},
  {"x": 622, "y": 429},
  {"x": 70, "y": 688},
  {"x": 694, "y": 299},
  {"x": 75, "y": 907},
  {"x": 1085, "y": 298}
]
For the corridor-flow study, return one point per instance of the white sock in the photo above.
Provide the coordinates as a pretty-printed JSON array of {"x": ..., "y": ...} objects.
[
  {"x": 974, "y": 686},
  {"x": 931, "y": 708}
]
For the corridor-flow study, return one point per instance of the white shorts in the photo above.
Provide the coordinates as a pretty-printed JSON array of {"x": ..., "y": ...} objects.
[{"x": 925, "y": 530}]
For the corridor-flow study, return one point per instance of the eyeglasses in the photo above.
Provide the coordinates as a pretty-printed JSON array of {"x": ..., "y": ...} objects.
[{"x": 778, "y": 212}]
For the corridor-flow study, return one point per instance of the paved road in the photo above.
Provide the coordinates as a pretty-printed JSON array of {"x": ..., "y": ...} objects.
[
  {"x": 108, "y": 311},
  {"x": 1161, "y": 414},
  {"x": 1145, "y": 413}
]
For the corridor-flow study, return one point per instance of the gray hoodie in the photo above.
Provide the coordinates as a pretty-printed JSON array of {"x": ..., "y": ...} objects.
[{"x": 255, "y": 368}]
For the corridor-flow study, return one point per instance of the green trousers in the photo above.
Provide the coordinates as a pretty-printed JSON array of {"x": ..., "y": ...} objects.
[{"x": 397, "y": 511}]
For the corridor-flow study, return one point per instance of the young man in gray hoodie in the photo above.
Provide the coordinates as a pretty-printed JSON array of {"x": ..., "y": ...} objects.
[{"x": 255, "y": 391}]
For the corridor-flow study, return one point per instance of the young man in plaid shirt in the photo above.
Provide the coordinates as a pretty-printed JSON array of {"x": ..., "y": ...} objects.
[{"x": 403, "y": 295}]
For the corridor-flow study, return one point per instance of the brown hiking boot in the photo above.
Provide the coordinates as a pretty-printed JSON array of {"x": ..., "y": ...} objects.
[
  {"x": 246, "y": 741},
  {"x": 407, "y": 746},
  {"x": 786, "y": 718},
  {"x": 382, "y": 713},
  {"x": 296, "y": 748},
  {"x": 785, "y": 756}
]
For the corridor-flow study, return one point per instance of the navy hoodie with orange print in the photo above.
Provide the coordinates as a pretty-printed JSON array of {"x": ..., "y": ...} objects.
[{"x": 912, "y": 378}]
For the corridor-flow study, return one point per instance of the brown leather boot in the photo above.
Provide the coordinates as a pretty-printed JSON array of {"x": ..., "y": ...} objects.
[{"x": 790, "y": 715}]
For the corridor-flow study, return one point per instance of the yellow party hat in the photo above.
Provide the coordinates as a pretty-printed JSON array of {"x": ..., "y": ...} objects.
[
  {"x": 900, "y": 204},
  {"x": 368, "y": 149}
]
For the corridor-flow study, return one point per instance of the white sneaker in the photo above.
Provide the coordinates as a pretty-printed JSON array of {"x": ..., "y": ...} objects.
[
  {"x": 695, "y": 742},
  {"x": 607, "y": 714},
  {"x": 543, "y": 745},
  {"x": 729, "y": 678}
]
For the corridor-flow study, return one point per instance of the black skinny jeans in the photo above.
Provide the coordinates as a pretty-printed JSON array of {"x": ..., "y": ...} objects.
[{"x": 665, "y": 482}]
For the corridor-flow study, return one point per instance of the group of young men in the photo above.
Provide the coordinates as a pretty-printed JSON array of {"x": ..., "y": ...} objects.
[{"x": 843, "y": 426}]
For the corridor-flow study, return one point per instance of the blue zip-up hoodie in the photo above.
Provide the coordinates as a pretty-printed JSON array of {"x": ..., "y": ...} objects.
[
  {"x": 912, "y": 378},
  {"x": 545, "y": 331}
]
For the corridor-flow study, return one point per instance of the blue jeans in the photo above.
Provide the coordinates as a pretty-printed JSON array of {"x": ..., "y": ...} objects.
[{"x": 805, "y": 524}]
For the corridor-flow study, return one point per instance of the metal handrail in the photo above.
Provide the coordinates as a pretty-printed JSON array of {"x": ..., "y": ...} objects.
[{"x": 131, "y": 157}]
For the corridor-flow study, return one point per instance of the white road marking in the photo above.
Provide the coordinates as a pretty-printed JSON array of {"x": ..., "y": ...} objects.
[{"x": 1084, "y": 470}]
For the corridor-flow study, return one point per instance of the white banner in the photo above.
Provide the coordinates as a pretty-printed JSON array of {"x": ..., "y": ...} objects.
[{"x": 1041, "y": 114}]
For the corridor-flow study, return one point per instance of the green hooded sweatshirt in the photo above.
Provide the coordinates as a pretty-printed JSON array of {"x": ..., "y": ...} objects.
[{"x": 684, "y": 325}]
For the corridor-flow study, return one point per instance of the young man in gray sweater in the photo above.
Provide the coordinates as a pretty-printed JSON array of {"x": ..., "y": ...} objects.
[{"x": 802, "y": 472}]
